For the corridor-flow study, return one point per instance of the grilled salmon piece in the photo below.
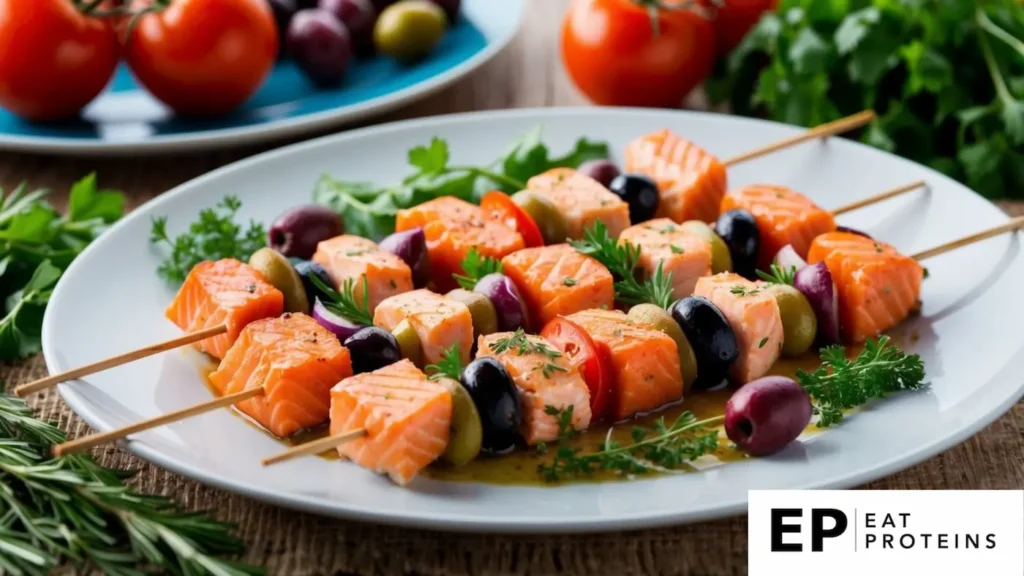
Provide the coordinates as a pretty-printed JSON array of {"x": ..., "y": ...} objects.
[
  {"x": 754, "y": 317},
  {"x": 543, "y": 380},
  {"x": 645, "y": 361},
  {"x": 439, "y": 322},
  {"x": 348, "y": 257},
  {"x": 407, "y": 419},
  {"x": 582, "y": 200},
  {"x": 877, "y": 286},
  {"x": 691, "y": 180},
  {"x": 452, "y": 228},
  {"x": 783, "y": 216},
  {"x": 557, "y": 280},
  {"x": 226, "y": 292},
  {"x": 679, "y": 252},
  {"x": 295, "y": 360}
]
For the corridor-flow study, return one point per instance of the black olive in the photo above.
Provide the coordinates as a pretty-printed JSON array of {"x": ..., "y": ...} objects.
[
  {"x": 497, "y": 400},
  {"x": 739, "y": 230},
  {"x": 640, "y": 192},
  {"x": 710, "y": 336},
  {"x": 307, "y": 268},
  {"x": 372, "y": 348}
]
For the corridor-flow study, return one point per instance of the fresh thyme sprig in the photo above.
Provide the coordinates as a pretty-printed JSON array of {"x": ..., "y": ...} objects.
[
  {"x": 621, "y": 258},
  {"x": 522, "y": 345},
  {"x": 345, "y": 304},
  {"x": 778, "y": 275},
  {"x": 72, "y": 509},
  {"x": 476, "y": 267},
  {"x": 841, "y": 384},
  {"x": 450, "y": 365}
]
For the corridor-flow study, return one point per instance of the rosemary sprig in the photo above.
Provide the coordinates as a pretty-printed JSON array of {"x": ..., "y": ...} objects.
[
  {"x": 522, "y": 345},
  {"x": 345, "y": 304},
  {"x": 72, "y": 509},
  {"x": 476, "y": 267},
  {"x": 621, "y": 258},
  {"x": 778, "y": 275},
  {"x": 450, "y": 365}
]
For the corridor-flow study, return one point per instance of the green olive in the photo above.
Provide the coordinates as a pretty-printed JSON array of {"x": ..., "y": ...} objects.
[
  {"x": 466, "y": 431},
  {"x": 721, "y": 260},
  {"x": 409, "y": 343},
  {"x": 799, "y": 324},
  {"x": 410, "y": 29},
  {"x": 485, "y": 317},
  {"x": 277, "y": 270},
  {"x": 661, "y": 320},
  {"x": 550, "y": 221}
]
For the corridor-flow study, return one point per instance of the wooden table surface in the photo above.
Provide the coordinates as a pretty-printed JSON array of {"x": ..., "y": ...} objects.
[{"x": 528, "y": 74}]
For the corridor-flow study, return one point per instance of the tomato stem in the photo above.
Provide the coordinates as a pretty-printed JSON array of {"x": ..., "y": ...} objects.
[{"x": 655, "y": 7}]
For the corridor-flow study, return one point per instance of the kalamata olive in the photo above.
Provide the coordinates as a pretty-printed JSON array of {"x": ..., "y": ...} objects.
[
  {"x": 712, "y": 339},
  {"x": 497, "y": 401},
  {"x": 359, "y": 17},
  {"x": 277, "y": 270},
  {"x": 485, "y": 317},
  {"x": 502, "y": 292},
  {"x": 799, "y": 324},
  {"x": 640, "y": 192},
  {"x": 467, "y": 432},
  {"x": 849, "y": 230},
  {"x": 604, "y": 171},
  {"x": 410, "y": 29},
  {"x": 297, "y": 231},
  {"x": 380, "y": 5},
  {"x": 658, "y": 318},
  {"x": 551, "y": 222},
  {"x": 305, "y": 4},
  {"x": 765, "y": 415},
  {"x": 307, "y": 268},
  {"x": 451, "y": 8},
  {"x": 411, "y": 246},
  {"x": 283, "y": 11},
  {"x": 409, "y": 342},
  {"x": 739, "y": 230},
  {"x": 320, "y": 45},
  {"x": 721, "y": 260},
  {"x": 372, "y": 348}
]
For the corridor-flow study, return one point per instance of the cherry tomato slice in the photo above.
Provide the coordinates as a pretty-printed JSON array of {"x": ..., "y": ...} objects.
[
  {"x": 593, "y": 360},
  {"x": 499, "y": 206}
]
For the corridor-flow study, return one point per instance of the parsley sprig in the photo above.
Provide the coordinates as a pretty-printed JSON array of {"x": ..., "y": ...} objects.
[
  {"x": 476, "y": 267},
  {"x": 449, "y": 366},
  {"x": 621, "y": 259},
  {"x": 214, "y": 236},
  {"x": 841, "y": 384},
  {"x": 778, "y": 275},
  {"x": 345, "y": 303}
]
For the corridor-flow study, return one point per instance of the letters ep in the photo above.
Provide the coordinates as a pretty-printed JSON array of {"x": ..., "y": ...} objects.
[{"x": 819, "y": 533}]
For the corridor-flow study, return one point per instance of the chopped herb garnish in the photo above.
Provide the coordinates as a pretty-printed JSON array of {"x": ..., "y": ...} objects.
[
  {"x": 522, "y": 345},
  {"x": 778, "y": 275},
  {"x": 621, "y": 259},
  {"x": 476, "y": 267},
  {"x": 667, "y": 228},
  {"x": 569, "y": 281},
  {"x": 742, "y": 290},
  {"x": 763, "y": 342},
  {"x": 676, "y": 249},
  {"x": 345, "y": 304},
  {"x": 450, "y": 365},
  {"x": 551, "y": 367}
]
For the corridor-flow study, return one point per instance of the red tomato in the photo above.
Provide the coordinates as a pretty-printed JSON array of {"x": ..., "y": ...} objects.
[
  {"x": 613, "y": 55},
  {"x": 499, "y": 206},
  {"x": 736, "y": 18},
  {"x": 594, "y": 361},
  {"x": 53, "y": 59},
  {"x": 204, "y": 57}
]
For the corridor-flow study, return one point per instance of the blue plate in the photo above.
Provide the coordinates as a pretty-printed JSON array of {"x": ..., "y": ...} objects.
[{"x": 126, "y": 118}]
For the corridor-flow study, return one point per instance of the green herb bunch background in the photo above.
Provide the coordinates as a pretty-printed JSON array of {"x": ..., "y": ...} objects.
[{"x": 946, "y": 78}]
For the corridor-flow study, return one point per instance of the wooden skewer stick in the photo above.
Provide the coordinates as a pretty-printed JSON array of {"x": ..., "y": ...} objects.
[
  {"x": 1010, "y": 226},
  {"x": 93, "y": 440},
  {"x": 878, "y": 197},
  {"x": 828, "y": 129},
  {"x": 50, "y": 381},
  {"x": 315, "y": 447}
]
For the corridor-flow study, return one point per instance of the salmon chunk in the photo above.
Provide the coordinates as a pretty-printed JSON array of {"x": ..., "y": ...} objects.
[
  {"x": 783, "y": 216},
  {"x": 754, "y": 317},
  {"x": 352, "y": 257},
  {"x": 691, "y": 181},
  {"x": 296, "y": 361},
  {"x": 645, "y": 361},
  {"x": 452, "y": 228},
  {"x": 407, "y": 419},
  {"x": 680, "y": 253},
  {"x": 439, "y": 322},
  {"x": 877, "y": 286},
  {"x": 226, "y": 292},
  {"x": 543, "y": 379},
  {"x": 582, "y": 200},
  {"x": 558, "y": 280}
]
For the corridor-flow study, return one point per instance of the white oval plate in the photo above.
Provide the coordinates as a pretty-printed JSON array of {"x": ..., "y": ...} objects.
[{"x": 110, "y": 300}]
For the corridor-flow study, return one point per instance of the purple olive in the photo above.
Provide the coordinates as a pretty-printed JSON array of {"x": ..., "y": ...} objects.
[
  {"x": 380, "y": 5},
  {"x": 296, "y": 232},
  {"x": 358, "y": 16},
  {"x": 765, "y": 415},
  {"x": 450, "y": 7},
  {"x": 815, "y": 282},
  {"x": 604, "y": 171},
  {"x": 502, "y": 292},
  {"x": 320, "y": 45},
  {"x": 411, "y": 246},
  {"x": 849, "y": 230}
]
